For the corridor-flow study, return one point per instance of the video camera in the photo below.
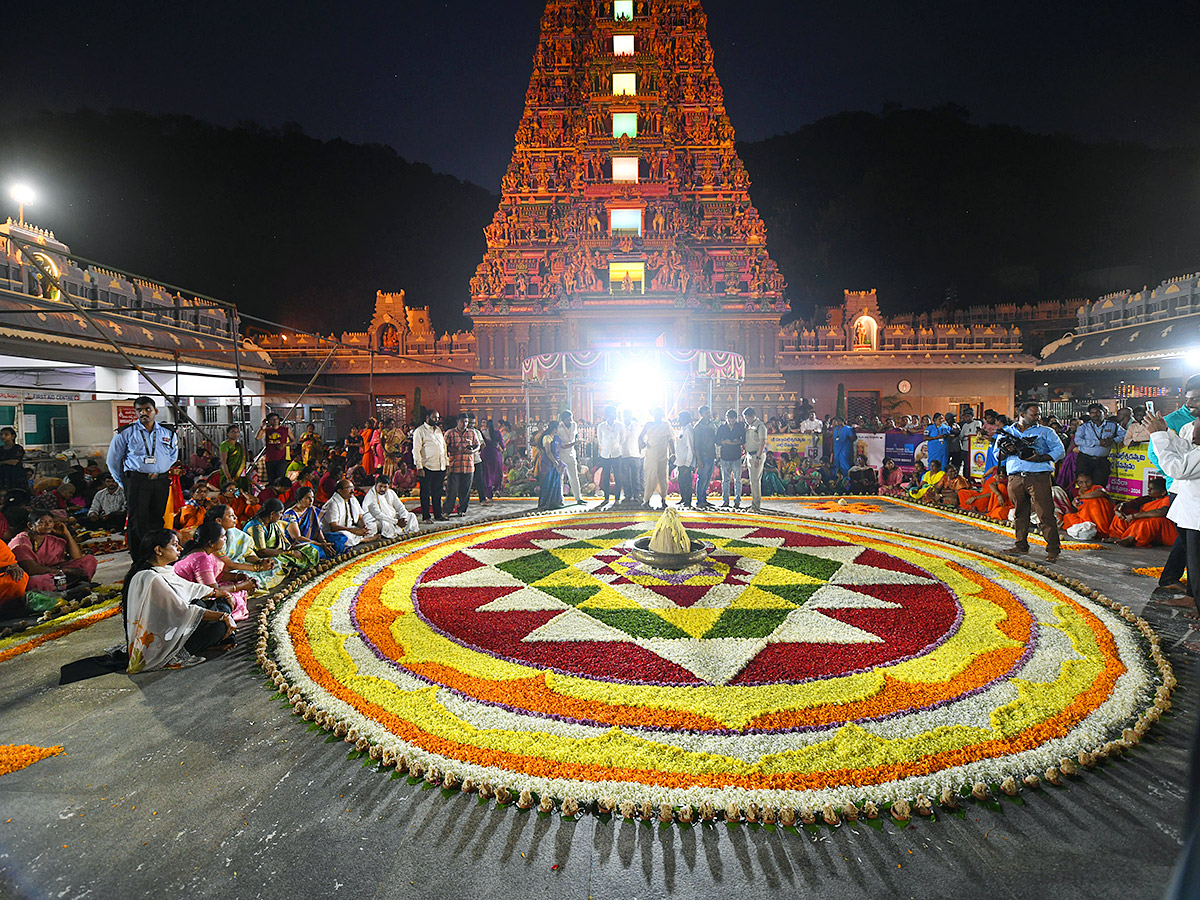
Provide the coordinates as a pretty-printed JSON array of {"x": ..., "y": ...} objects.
[{"x": 1010, "y": 445}]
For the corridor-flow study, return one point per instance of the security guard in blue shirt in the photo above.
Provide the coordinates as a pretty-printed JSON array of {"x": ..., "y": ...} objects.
[
  {"x": 139, "y": 457},
  {"x": 1031, "y": 478}
]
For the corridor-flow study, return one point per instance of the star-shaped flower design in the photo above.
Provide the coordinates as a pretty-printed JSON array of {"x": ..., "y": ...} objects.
[{"x": 711, "y": 620}]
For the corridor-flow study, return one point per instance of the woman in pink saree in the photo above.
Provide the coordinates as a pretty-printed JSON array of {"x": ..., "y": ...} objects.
[{"x": 49, "y": 549}]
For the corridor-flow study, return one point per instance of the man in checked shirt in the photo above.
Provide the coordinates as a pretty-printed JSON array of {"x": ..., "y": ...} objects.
[{"x": 460, "y": 448}]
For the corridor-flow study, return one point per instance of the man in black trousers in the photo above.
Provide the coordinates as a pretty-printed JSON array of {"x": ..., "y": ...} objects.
[{"x": 139, "y": 458}]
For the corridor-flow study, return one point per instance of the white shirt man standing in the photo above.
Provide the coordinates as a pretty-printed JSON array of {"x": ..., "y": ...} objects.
[
  {"x": 568, "y": 439},
  {"x": 385, "y": 511},
  {"x": 811, "y": 425},
  {"x": 429, "y": 456},
  {"x": 968, "y": 428},
  {"x": 631, "y": 459},
  {"x": 610, "y": 434},
  {"x": 685, "y": 457},
  {"x": 756, "y": 454},
  {"x": 1178, "y": 455}
]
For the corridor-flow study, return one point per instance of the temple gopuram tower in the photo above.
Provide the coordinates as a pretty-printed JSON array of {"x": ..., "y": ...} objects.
[{"x": 625, "y": 218}]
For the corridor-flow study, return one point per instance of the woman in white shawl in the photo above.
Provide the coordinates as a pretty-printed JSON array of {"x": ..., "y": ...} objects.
[{"x": 168, "y": 619}]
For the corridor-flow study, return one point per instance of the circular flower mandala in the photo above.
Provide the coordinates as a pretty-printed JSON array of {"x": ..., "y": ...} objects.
[{"x": 806, "y": 663}]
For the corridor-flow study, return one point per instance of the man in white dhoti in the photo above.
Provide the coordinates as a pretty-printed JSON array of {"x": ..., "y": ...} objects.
[
  {"x": 343, "y": 521},
  {"x": 658, "y": 440},
  {"x": 568, "y": 439},
  {"x": 386, "y": 513}
]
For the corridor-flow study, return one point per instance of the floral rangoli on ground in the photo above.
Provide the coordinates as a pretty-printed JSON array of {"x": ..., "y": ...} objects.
[{"x": 806, "y": 664}]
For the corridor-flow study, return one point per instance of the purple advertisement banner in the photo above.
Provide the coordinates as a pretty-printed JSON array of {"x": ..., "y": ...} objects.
[{"x": 905, "y": 449}]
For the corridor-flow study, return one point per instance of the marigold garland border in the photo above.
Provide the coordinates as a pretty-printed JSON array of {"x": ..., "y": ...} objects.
[
  {"x": 33, "y": 637},
  {"x": 685, "y": 814}
]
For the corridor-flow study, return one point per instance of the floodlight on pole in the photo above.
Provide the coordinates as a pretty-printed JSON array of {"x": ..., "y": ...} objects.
[{"x": 23, "y": 194}]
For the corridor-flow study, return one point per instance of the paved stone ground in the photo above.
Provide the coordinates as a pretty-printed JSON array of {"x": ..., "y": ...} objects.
[{"x": 196, "y": 784}]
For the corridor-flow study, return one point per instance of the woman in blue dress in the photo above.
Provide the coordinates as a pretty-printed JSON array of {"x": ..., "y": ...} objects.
[
  {"x": 549, "y": 473},
  {"x": 844, "y": 440},
  {"x": 303, "y": 524}
]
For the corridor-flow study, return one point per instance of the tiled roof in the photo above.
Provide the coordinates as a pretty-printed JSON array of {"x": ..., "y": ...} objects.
[{"x": 1132, "y": 346}]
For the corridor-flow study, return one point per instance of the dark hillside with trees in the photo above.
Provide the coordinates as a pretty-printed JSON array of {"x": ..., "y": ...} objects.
[
  {"x": 919, "y": 204},
  {"x": 923, "y": 205},
  {"x": 288, "y": 227}
]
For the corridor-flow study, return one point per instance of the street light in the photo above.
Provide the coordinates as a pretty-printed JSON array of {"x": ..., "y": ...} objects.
[{"x": 23, "y": 194}]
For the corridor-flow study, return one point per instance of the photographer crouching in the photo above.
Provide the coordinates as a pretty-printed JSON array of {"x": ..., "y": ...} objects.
[{"x": 1028, "y": 451}]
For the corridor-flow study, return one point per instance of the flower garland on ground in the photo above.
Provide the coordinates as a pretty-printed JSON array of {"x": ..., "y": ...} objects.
[
  {"x": 52, "y": 627},
  {"x": 978, "y": 520},
  {"x": 853, "y": 507},
  {"x": 14, "y": 757},
  {"x": 810, "y": 665}
]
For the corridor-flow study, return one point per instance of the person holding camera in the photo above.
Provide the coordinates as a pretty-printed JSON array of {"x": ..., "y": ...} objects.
[{"x": 1028, "y": 452}]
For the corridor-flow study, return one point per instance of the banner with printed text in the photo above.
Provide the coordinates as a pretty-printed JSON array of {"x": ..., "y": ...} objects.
[
  {"x": 905, "y": 449},
  {"x": 1131, "y": 469},
  {"x": 802, "y": 445},
  {"x": 979, "y": 452}
]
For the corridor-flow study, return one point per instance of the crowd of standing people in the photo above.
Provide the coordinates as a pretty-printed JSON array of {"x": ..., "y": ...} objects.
[{"x": 231, "y": 523}]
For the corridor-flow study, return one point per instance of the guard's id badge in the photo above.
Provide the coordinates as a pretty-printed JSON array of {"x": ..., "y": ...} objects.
[{"x": 151, "y": 460}]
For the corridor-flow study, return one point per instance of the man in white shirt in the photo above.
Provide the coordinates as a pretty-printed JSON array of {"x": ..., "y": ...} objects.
[
  {"x": 756, "y": 454},
  {"x": 685, "y": 457},
  {"x": 108, "y": 506},
  {"x": 568, "y": 439},
  {"x": 430, "y": 459},
  {"x": 386, "y": 513},
  {"x": 343, "y": 521},
  {"x": 811, "y": 425},
  {"x": 1178, "y": 456},
  {"x": 631, "y": 459},
  {"x": 609, "y": 436},
  {"x": 967, "y": 429}
]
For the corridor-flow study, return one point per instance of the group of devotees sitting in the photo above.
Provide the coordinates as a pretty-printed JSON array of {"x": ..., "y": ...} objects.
[
  {"x": 188, "y": 586},
  {"x": 187, "y": 589}
]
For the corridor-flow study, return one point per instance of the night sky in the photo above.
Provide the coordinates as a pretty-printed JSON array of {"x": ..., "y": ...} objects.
[{"x": 443, "y": 83}]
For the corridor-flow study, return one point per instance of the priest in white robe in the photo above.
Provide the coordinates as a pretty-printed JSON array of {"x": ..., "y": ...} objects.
[{"x": 386, "y": 513}]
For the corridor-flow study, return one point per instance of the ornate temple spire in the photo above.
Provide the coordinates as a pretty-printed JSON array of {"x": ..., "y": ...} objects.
[{"x": 625, "y": 187}]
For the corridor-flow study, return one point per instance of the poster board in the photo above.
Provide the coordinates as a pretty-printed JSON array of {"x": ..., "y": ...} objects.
[
  {"x": 126, "y": 414},
  {"x": 872, "y": 446},
  {"x": 905, "y": 449},
  {"x": 1131, "y": 470},
  {"x": 803, "y": 445},
  {"x": 979, "y": 455}
]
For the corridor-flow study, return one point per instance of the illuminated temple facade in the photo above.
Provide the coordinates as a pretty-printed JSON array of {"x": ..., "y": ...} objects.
[
  {"x": 625, "y": 218},
  {"x": 626, "y": 221}
]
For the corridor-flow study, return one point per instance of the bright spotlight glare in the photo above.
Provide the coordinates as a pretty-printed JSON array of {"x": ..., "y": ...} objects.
[
  {"x": 22, "y": 193},
  {"x": 1193, "y": 358},
  {"x": 636, "y": 387}
]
